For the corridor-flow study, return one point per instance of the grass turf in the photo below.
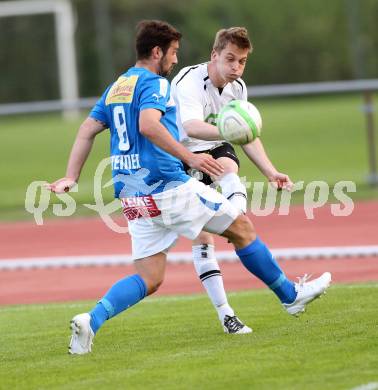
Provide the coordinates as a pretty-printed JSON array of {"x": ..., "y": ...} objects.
[
  {"x": 177, "y": 343},
  {"x": 312, "y": 138}
]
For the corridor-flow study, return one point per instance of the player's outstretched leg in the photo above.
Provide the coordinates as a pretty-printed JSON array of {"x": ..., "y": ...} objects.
[
  {"x": 209, "y": 273},
  {"x": 122, "y": 295},
  {"x": 258, "y": 259}
]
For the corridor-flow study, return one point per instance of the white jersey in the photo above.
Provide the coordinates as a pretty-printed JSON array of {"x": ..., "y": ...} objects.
[{"x": 197, "y": 98}]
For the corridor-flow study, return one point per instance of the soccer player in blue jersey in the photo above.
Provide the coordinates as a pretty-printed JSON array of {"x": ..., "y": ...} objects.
[{"x": 159, "y": 199}]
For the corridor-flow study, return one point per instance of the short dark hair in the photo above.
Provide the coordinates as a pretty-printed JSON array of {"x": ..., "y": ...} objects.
[
  {"x": 236, "y": 35},
  {"x": 151, "y": 33}
]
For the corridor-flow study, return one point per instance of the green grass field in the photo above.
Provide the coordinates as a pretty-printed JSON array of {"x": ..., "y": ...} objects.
[
  {"x": 177, "y": 343},
  {"x": 313, "y": 138}
]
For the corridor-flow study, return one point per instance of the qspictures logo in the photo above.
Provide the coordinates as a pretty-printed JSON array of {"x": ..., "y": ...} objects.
[{"x": 263, "y": 199}]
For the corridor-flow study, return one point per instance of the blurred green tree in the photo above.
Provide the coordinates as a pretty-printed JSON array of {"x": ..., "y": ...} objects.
[{"x": 294, "y": 41}]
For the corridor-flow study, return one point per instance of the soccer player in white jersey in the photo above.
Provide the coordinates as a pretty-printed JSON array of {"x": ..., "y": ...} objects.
[
  {"x": 200, "y": 91},
  {"x": 160, "y": 200}
]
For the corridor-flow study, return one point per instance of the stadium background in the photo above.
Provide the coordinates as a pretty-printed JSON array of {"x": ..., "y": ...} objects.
[
  {"x": 298, "y": 42},
  {"x": 312, "y": 138}
]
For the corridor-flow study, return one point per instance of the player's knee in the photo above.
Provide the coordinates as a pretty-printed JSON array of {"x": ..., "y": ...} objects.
[
  {"x": 241, "y": 232},
  {"x": 153, "y": 284},
  {"x": 245, "y": 228},
  {"x": 204, "y": 238}
]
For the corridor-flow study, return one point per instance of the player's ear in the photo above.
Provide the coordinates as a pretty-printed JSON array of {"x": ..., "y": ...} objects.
[
  {"x": 156, "y": 52},
  {"x": 213, "y": 54}
]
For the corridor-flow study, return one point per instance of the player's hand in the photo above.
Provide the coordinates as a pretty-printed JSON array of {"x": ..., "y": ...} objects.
[
  {"x": 60, "y": 186},
  {"x": 281, "y": 181},
  {"x": 206, "y": 163}
]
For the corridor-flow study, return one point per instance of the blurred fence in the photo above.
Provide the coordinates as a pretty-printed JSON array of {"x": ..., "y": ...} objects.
[
  {"x": 365, "y": 87},
  {"x": 298, "y": 89}
]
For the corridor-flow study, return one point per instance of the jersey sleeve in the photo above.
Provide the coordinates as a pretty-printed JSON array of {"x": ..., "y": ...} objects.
[
  {"x": 98, "y": 112},
  {"x": 154, "y": 93},
  {"x": 189, "y": 99}
]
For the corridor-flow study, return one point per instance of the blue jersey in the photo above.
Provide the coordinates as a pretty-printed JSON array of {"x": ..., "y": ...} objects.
[{"x": 139, "y": 167}]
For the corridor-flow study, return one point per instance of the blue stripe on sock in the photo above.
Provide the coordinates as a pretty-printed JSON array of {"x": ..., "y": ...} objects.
[
  {"x": 278, "y": 282},
  {"x": 108, "y": 307},
  {"x": 123, "y": 294},
  {"x": 98, "y": 316}
]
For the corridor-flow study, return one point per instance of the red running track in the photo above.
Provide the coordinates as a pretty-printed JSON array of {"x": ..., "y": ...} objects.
[
  {"x": 69, "y": 284},
  {"x": 72, "y": 237}
]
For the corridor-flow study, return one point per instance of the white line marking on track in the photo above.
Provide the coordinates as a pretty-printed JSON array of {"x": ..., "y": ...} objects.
[{"x": 186, "y": 257}]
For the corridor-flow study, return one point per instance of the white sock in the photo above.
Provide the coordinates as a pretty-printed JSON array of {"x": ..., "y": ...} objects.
[
  {"x": 234, "y": 190},
  {"x": 208, "y": 271}
]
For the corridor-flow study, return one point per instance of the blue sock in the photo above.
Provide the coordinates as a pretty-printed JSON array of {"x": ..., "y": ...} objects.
[
  {"x": 258, "y": 260},
  {"x": 123, "y": 294}
]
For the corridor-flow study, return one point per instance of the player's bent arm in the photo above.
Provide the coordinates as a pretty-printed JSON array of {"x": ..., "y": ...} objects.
[
  {"x": 79, "y": 154},
  {"x": 151, "y": 127},
  {"x": 256, "y": 153},
  {"x": 82, "y": 146},
  {"x": 199, "y": 129}
]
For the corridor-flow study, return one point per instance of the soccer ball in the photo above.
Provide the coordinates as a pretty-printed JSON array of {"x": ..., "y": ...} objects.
[{"x": 239, "y": 122}]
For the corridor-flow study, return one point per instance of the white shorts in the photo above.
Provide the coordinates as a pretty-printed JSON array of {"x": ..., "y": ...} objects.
[{"x": 185, "y": 210}]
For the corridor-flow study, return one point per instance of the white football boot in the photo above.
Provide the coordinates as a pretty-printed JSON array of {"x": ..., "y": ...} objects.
[
  {"x": 232, "y": 325},
  {"x": 82, "y": 335},
  {"x": 307, "y": 292}
]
